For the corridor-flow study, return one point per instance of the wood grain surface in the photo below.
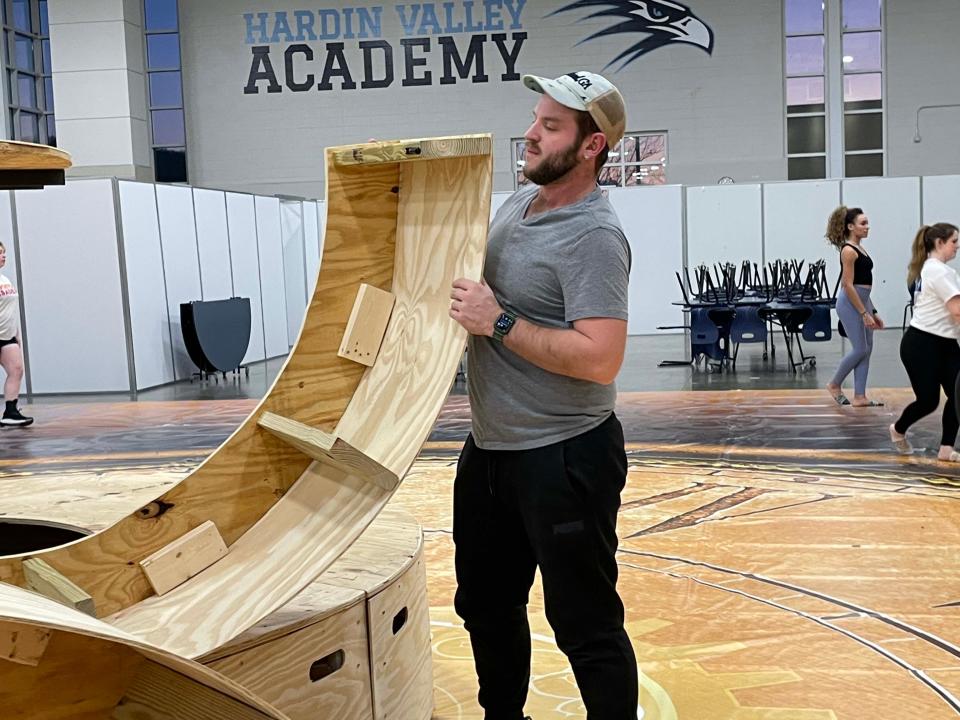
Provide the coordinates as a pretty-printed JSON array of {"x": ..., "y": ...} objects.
[
  {"x": 408, "y": 228},
  {"x": 16, "y": 155},
  {"x": 278, "y": 670},
  {"x": 400, "y": 657},
  {"x": 89, "y": 667},
  {"x": 441, "y": 236}
]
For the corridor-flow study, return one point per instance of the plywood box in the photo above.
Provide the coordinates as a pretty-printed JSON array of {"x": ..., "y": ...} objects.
[
  {"x": 400, "y": 647},
  {"x": 308, "y": 660}
]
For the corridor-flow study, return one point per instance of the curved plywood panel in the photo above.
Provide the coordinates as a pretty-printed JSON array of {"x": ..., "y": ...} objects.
[
  {"x": 56, "y": 663},
  {"x": 16, "y": 155},
  {"x": 26, "y": 165},
  {"x": 295, "y": 485}
]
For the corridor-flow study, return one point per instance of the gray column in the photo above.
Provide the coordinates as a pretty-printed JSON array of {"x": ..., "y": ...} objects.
[{"x": 99, "y": 87}]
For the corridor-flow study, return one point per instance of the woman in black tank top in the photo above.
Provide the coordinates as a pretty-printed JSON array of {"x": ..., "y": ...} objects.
[{"x": 846, "y": 230}]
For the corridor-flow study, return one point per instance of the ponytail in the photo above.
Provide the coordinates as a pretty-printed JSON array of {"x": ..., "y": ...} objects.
[
  {"x": 837, "y": 232},
  {"x": 924, "y": 243}
]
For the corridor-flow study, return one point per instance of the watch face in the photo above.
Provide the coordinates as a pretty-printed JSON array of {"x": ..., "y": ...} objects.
[{"x": 503, "y": 323}]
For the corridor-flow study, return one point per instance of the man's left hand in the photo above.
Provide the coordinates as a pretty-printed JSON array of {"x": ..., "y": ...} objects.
[{"x": 474, "y": 306}]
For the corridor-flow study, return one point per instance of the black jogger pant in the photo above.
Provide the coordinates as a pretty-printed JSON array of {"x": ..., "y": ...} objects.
[
  {"x": 931, "y": 362},
  {"x": 554, "y": 507}
]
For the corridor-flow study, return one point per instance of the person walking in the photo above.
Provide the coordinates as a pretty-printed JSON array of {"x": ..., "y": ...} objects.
[
  {"x": 847, "y": 228},
  {"x": 929, "y": 349},
  {"x": 11, "y": 357}
]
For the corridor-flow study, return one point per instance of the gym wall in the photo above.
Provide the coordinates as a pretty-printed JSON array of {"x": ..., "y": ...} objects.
[{"x": 723, "y": 111}]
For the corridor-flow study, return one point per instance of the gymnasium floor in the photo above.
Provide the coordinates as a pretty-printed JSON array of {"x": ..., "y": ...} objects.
[{"x": 778, "y": 560}]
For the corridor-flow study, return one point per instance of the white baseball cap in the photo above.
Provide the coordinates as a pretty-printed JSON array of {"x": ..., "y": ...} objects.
[{"x": 588, "y": 92}]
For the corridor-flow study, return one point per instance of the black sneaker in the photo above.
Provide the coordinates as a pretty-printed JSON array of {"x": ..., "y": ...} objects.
[{"x": 15, "y": 417}]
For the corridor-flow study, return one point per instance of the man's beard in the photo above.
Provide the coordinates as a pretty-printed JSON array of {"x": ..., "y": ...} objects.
[{"x": 553, "y": 167}]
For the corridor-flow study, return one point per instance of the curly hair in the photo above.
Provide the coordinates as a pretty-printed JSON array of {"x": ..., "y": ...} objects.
[
  {"x": 837, "y": 232},
  {"x": 925, "y": 243}
]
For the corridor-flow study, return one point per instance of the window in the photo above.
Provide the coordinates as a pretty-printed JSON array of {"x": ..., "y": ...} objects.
[
  {"x": 862, "y": 87},
  {"x": 805, "y": 89},
  {"x": 638, "y": 159},
  {"x": 165, "y": 88},
  {"x": 29, "y": 76},
  {"x": 823, "y": 139}
]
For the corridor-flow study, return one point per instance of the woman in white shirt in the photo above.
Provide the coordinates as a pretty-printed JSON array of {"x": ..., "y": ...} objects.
[
  {"x": 929, "y": 348},
  {"x": 11, "y": 358}
]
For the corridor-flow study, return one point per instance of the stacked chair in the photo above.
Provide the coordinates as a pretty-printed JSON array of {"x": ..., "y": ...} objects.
[{"x": 729, "y": 305}]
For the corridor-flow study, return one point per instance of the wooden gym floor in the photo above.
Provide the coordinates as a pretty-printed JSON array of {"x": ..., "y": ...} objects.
[{"x": 778, "y": 560}]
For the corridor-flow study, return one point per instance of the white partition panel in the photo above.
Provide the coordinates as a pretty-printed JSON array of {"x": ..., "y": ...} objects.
[
  {"x": 149, "y": 322},
  {"x": 10, "y": 269},
  {"x": 795, "y": 222},
  {"x": 496, "y": 201},
  {"x": 181, "y": 264},
  {"x": 941, "y": 199},
  {"x": 724, "y": 224},
  {"x": 311, "y": 243},
  {"x": 893, "y": 207},
  {"x": 294, "y": 265},
  {"x": 242, "y": 221},
  {"x": 213, "y": 244},
  {"x": 272, "y": 288},
  {"x": 70, "y": 265},
  {"x": 652, "y": 218}
]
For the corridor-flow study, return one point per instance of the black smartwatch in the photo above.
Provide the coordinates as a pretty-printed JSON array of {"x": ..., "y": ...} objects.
[{"x": 503, "y": 325}]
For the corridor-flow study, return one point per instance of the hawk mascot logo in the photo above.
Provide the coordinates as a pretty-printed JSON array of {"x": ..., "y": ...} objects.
[{"x": 663, "y": 21}]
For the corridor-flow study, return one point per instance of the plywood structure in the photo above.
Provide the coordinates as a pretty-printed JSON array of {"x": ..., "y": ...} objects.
[
  {"x": 59, "y": 664},
  {"x": 337, "y": 649},
  {"x": 407, "y": 218},
  {"x": 30, "y": 166}
]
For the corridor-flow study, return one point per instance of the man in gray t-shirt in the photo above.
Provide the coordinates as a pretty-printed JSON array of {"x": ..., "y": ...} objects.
[{"x": 539, "y": 479}]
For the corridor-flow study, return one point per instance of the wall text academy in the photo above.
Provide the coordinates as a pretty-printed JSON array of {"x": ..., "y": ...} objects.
[{"x": 304, "y": 50}]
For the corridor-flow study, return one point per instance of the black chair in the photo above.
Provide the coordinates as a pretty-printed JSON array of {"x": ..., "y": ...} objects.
[
  {"x": 709, "y": 335},
  {"x": 816, "y": 328},
  {"x": 747, "y": 327},
  {"x": 790, "y": 317}
]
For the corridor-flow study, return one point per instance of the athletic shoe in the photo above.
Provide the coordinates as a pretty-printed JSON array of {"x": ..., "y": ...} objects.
[{"x": 15, "y": 418}]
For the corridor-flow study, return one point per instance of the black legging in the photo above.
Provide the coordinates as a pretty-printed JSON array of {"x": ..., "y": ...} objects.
[{"x": 931, "y": 362}]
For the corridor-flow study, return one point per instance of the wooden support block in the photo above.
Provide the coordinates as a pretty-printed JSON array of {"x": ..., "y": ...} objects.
[
  {"x": 23, "y": 644},
  {"x": 329, "y": 448},
  {"x": 43, "y": 579},
  {"x": 406, "y": 150},
  {"x": 367, "y": 325},
  {"x": 185, "y": 557}
]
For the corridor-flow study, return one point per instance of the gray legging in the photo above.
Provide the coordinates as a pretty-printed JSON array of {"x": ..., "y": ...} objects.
[{"x": 860, "y": 336}]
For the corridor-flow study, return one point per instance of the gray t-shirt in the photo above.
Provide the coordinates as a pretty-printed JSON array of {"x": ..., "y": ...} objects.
[{"x": 551, "y": 269}]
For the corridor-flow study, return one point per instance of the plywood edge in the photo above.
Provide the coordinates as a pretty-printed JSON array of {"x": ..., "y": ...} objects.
[
  {"x": 16, "y": 155},
  {"x": 325, "y": 447},
  {"x": 275, "y": 626},
  {"x": 411, "y": 150},
  {"x": 26, "y": 610},
  {"x": 385, "y": 552},
  {"x": 158, "y": 692}
]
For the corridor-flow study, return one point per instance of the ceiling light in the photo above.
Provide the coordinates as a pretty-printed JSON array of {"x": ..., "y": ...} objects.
[{"x": 848, "y": 59}]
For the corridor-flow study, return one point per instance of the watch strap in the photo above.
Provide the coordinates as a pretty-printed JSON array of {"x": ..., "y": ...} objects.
[{"x": 503, "y": 325}]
